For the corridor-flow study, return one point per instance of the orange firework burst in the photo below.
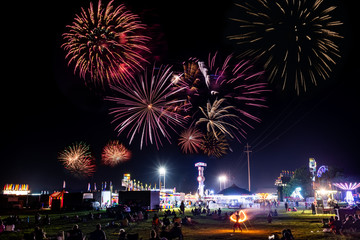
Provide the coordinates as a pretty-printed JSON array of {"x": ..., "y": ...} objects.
[
  {"x": 115, "y": 153},
  {"x": 105, "y": 43},
  {"x": 78, "y": 160},
  {"x": 190, "y": 140}
]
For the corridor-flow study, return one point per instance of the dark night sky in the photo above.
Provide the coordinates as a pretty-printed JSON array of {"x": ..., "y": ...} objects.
[{"x": 45, "y": 107}]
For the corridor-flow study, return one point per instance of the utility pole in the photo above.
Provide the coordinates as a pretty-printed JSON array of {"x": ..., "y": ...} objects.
[{"x": 248, "y": 158}]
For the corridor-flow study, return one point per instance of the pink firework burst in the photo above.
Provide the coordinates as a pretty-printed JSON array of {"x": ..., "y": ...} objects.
[
  {"x": 114, "y": 153},
  {"x": 148, "y": 107},
  {"x": 105, "y": 43},
  {"x": 78, "y": 160},
  {"x": 191, "y": 140}
]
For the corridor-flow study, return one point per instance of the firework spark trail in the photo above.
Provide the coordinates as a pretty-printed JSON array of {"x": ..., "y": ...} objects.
[
  {"x": 191, "y": 140},
  {"x": 105, "y": 44},
  {"x": 147, "y": 107},
  {"x": 216, "y": 118},
  {"x": 241, "y": 90},
  {"x": 114, "y": 153},
  {"x": 214, "y": 146},
  {"x": 78, "y": 160},
  {"x": 294, "y": 40}
]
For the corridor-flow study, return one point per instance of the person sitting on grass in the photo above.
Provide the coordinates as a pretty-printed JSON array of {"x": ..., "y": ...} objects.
[
  {"x": 166, "y": 221},
  {"x": 357, "y": 223},
  {"x": 122, "y": 234},
  {"x": 348, "y": 224},
  {"x": 287, "y": 235},
  {"x": 98, "y": 234},
  {"x": 156, "y": 223},
  {"x": 175, "y": 232},
  {"x": 2, "y": 227},
  {"x": 39, "y": 233},
  {"x": 153, "y": 235},
  {"x": 331, "y": 220},
  {"x": 336, "y": 226},
  {"x": 75, "y": 233}
]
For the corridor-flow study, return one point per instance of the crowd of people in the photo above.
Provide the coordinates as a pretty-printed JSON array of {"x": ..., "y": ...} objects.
[
  {"x": 168, "y": 227},
  {"x": 351, "y": 223}
]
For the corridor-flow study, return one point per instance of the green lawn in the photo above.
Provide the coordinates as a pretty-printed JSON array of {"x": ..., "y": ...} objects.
[{"x": 304, "y": 225}]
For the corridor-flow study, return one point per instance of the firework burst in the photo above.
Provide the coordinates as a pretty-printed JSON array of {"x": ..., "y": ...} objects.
[
  {"x": 190, "y": 140},
  {"x": 78, "y": 160},
  {"x": 148, "y": 107},
  {"x": 114, "y": 153},
  {"x": 215, "y": 145},
  {"x": 241, "y": 90},
  {"x": 105, "y": 43},
  {"x": 216, "y": 118},
  {"x": 191, "y": 80},
  {"x": 295, "y": 40}
]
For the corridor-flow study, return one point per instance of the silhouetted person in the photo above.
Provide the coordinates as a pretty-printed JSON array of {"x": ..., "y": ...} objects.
[
  {"x": 75, "y": 233},
  {"x": 39, "y": 234},
  {"x": 237, "y": 224},
  {"x": 313, "y": 210},
  {"x": 175, "y": 231},
  {"x": 153, "y": 235},
  {"x": 122, "y": 234},
  {"x": 166, "y": 221},
  {"x": 182, "y": 207},
  {"x": 98, "y": 234},
  {"x": 269, "y": 218}
]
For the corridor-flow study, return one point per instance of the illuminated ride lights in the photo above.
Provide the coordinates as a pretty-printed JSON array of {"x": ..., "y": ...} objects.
[
  {"x": 16, "y": 189},
  {"x": 242, "y": 217},
  {"x": 321, "y": 170},
  {"x": 296, "y": 194},
  {"x": 348, "y": 188},
  {"x": 201, "y": 178}
]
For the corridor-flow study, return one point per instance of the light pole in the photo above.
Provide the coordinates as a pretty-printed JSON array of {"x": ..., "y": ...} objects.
[{"x": 162, "y": 172}]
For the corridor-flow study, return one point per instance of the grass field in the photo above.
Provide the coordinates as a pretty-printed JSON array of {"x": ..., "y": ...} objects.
[{"x": 304, "y": 226}]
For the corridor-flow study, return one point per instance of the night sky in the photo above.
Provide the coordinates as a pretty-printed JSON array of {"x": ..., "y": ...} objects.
[{"x": 45, "y": 107}]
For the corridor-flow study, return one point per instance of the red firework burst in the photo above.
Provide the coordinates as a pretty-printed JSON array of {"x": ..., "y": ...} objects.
[
  {"x": 190, "y": 140},
  {"x": 78, "y": 160},
  {"x": 114, "y": 153},
  {"x": 105, "y": 43}
]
